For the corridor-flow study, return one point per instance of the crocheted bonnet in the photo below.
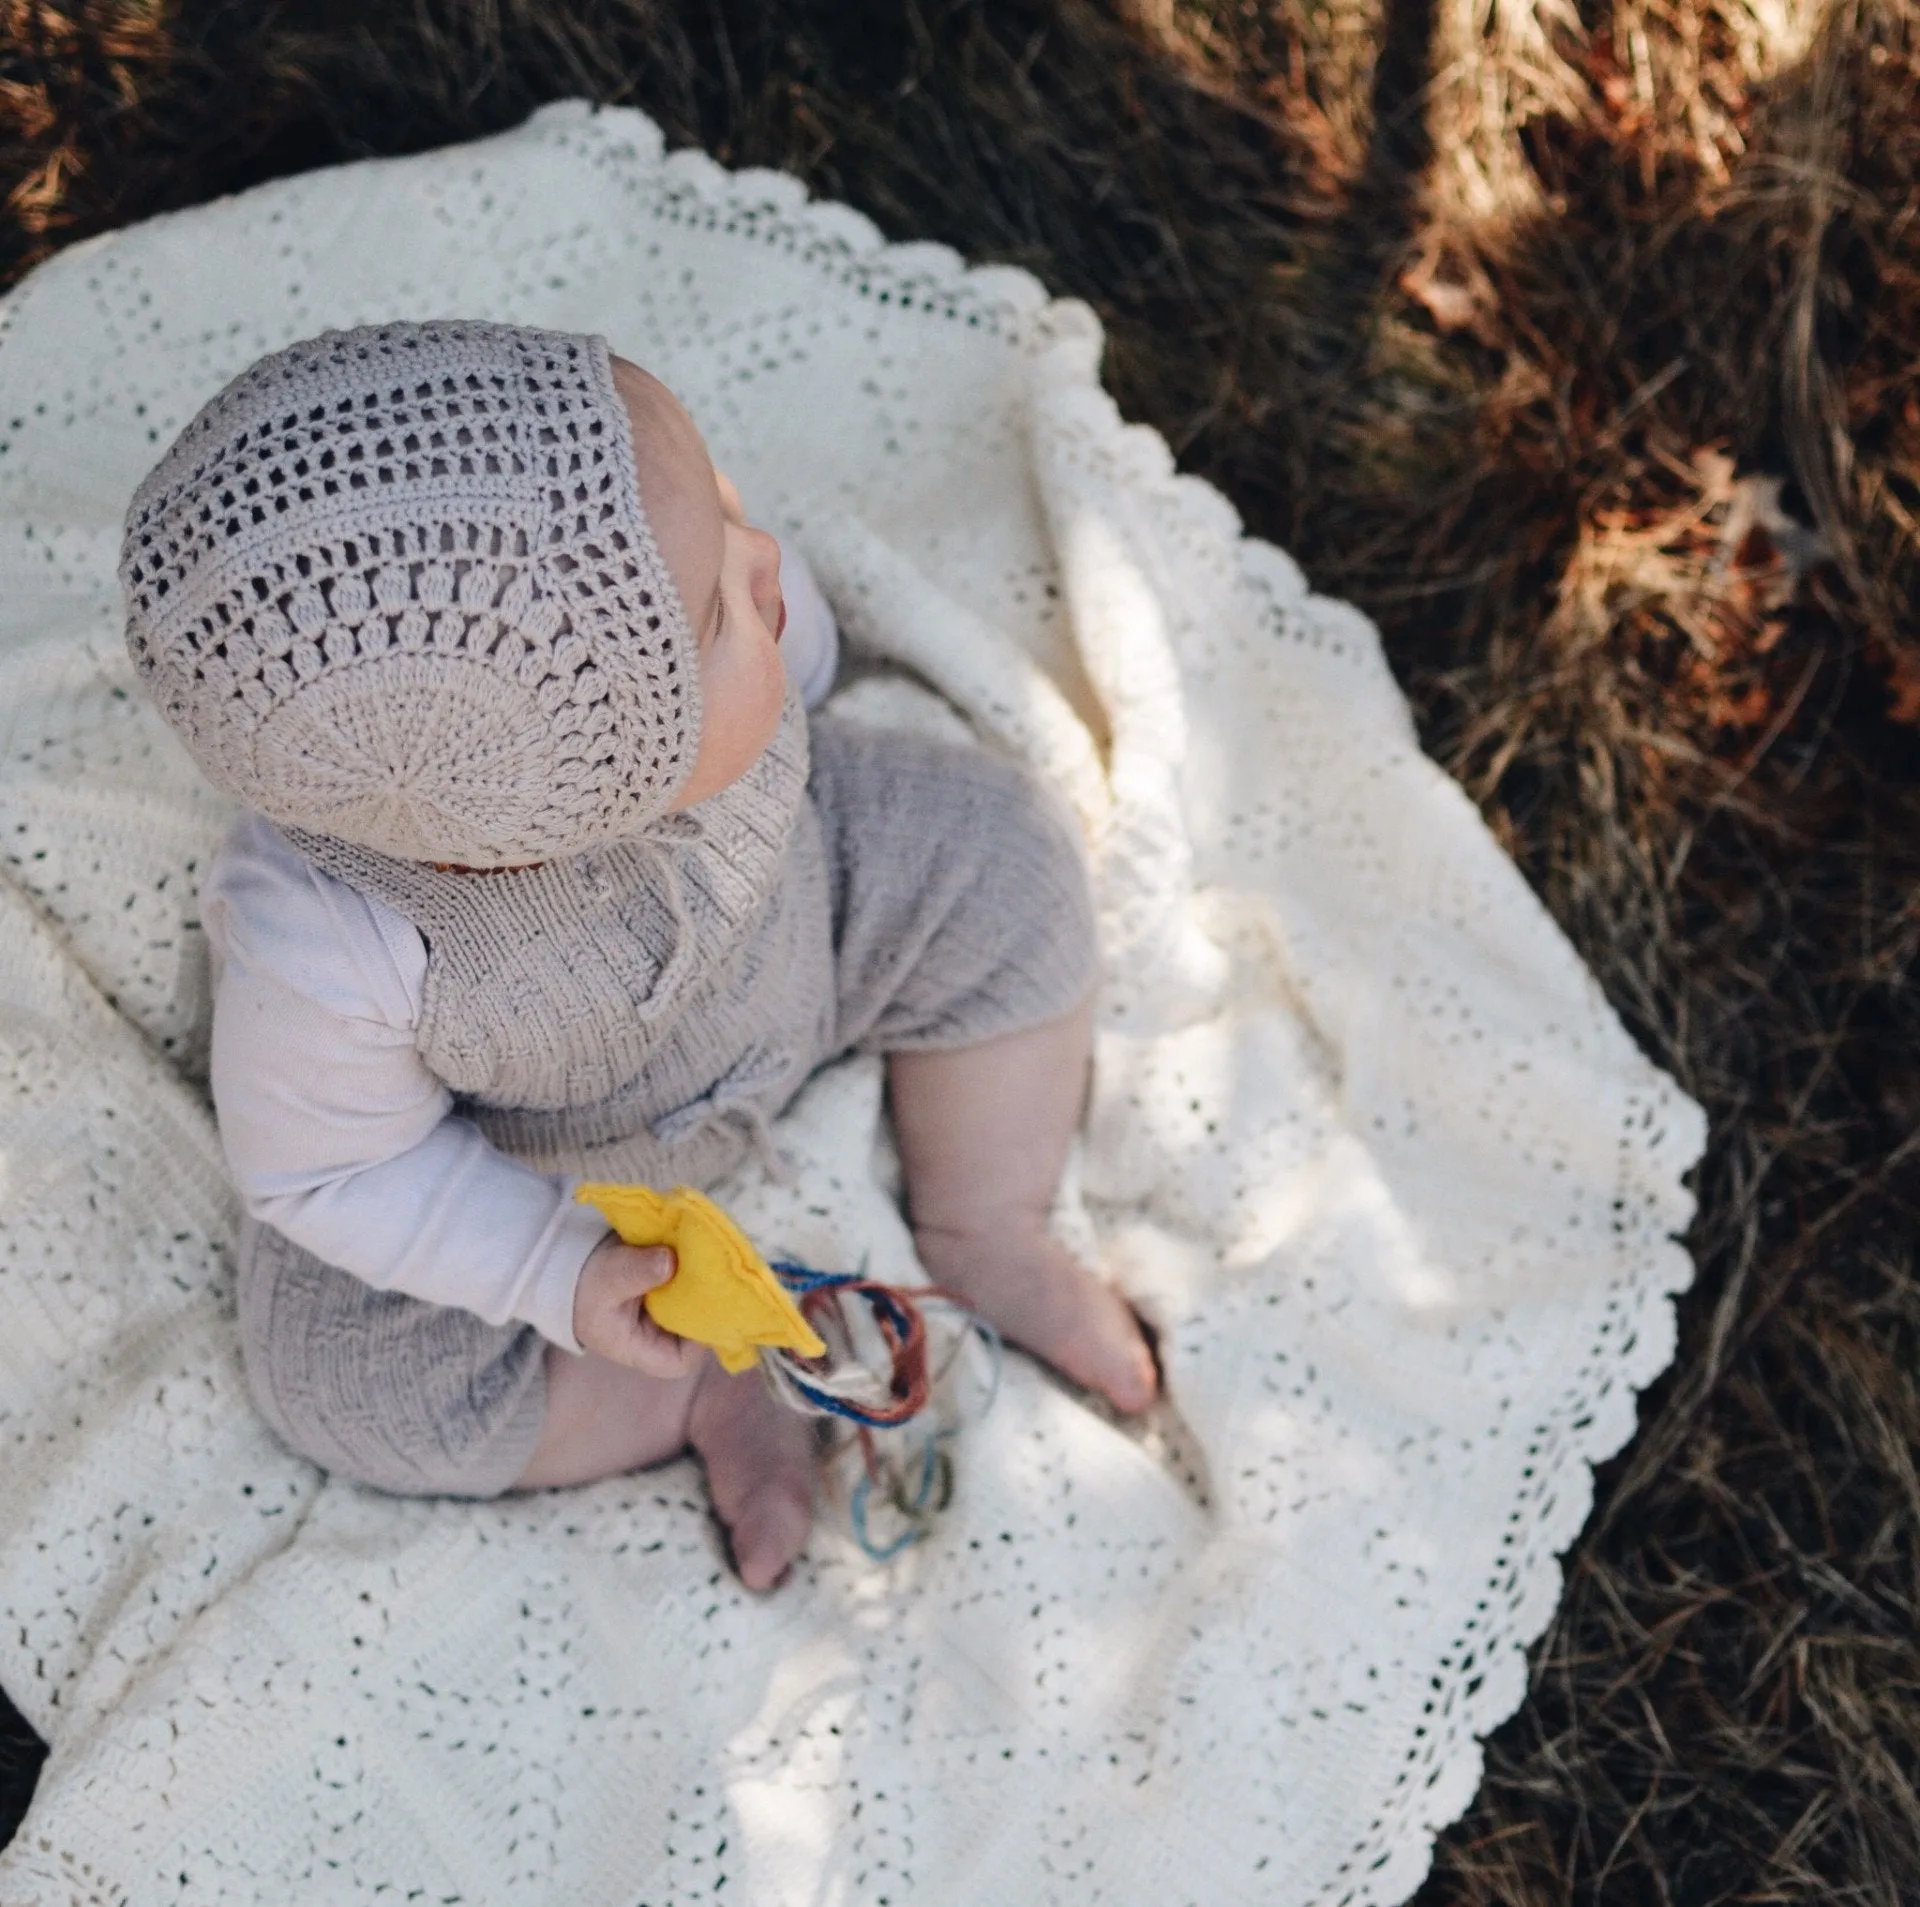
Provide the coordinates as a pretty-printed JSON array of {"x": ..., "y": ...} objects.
[{"x": 395, "y": 585}]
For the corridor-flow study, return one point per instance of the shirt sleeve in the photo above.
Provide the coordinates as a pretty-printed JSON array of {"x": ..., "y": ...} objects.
[
  {"x": 337, "y": 1132},
  {"x": 810, "y": 648}
]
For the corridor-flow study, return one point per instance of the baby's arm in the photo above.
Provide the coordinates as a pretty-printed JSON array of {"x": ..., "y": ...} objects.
[
  {"x": 337, "y": 1133},
  {"x": 339, "y": 1136}
]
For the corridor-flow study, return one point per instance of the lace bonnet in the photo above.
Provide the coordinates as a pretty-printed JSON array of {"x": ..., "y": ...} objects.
[{"x": 395, "y": 585}]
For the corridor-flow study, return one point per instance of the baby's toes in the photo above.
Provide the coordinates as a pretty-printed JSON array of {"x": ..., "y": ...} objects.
[
  {"x": 1112, "y": 1355},
  {"x": 768, "y": 1530},
  {"x": 1042, "y": 1298},
  {"x": 761, "y": 1464}
]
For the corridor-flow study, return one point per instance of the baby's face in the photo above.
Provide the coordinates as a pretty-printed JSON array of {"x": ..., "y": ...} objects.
[{"x": 728, "y": 576}]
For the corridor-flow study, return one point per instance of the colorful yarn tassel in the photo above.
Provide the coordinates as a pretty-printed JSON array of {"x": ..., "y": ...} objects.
[
  {"x": 833, "y": 1344},
  {"x": 851, "y": 1385}
]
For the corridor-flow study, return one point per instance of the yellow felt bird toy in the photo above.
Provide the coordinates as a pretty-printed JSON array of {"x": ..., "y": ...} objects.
[{"x": 722, "y": 1292}]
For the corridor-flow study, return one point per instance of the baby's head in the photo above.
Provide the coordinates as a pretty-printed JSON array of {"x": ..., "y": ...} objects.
[{"x": 456, "y": 592}]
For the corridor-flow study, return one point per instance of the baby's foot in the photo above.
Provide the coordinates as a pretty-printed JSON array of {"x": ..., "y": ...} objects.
[
  {"x": 1036, "y": 1294},
  {"x": 761, "y": 1463}
]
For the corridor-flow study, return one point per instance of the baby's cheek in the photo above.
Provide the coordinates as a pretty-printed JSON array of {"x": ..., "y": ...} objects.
[{"x": 773, "y": 689}]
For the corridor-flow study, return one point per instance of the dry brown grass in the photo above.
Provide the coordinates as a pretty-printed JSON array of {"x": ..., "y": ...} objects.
[{"x": 1578, "y": 340}]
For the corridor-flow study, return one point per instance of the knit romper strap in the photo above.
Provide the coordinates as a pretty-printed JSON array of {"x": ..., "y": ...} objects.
[{"x": 639, "y": 1010}]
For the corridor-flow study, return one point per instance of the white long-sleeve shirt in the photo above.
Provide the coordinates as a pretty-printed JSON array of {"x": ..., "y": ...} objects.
[{"x": 336, "y": 1131}]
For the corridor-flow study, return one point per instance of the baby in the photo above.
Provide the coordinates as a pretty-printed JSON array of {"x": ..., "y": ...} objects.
[{"x": 545, "y": 875}]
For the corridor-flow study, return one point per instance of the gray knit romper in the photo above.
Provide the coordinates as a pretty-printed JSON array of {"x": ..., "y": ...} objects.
[{"x": 640, "y": 1012}]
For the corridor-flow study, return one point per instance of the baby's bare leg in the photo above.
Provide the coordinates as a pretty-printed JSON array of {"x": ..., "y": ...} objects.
[
  {"x": 603, "y": 1420},
  {"x": 984, "y": 1133}
]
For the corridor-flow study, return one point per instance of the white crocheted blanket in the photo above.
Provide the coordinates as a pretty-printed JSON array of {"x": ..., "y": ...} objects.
[{"x": 1366, "y": 1141}]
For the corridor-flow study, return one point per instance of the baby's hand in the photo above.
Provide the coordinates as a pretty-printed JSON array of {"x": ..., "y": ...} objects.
[{"x": 610, "y": 1320}]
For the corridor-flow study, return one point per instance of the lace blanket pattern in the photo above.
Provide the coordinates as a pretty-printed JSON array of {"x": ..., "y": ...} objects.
[{"x": 1366, "y": 1142}]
